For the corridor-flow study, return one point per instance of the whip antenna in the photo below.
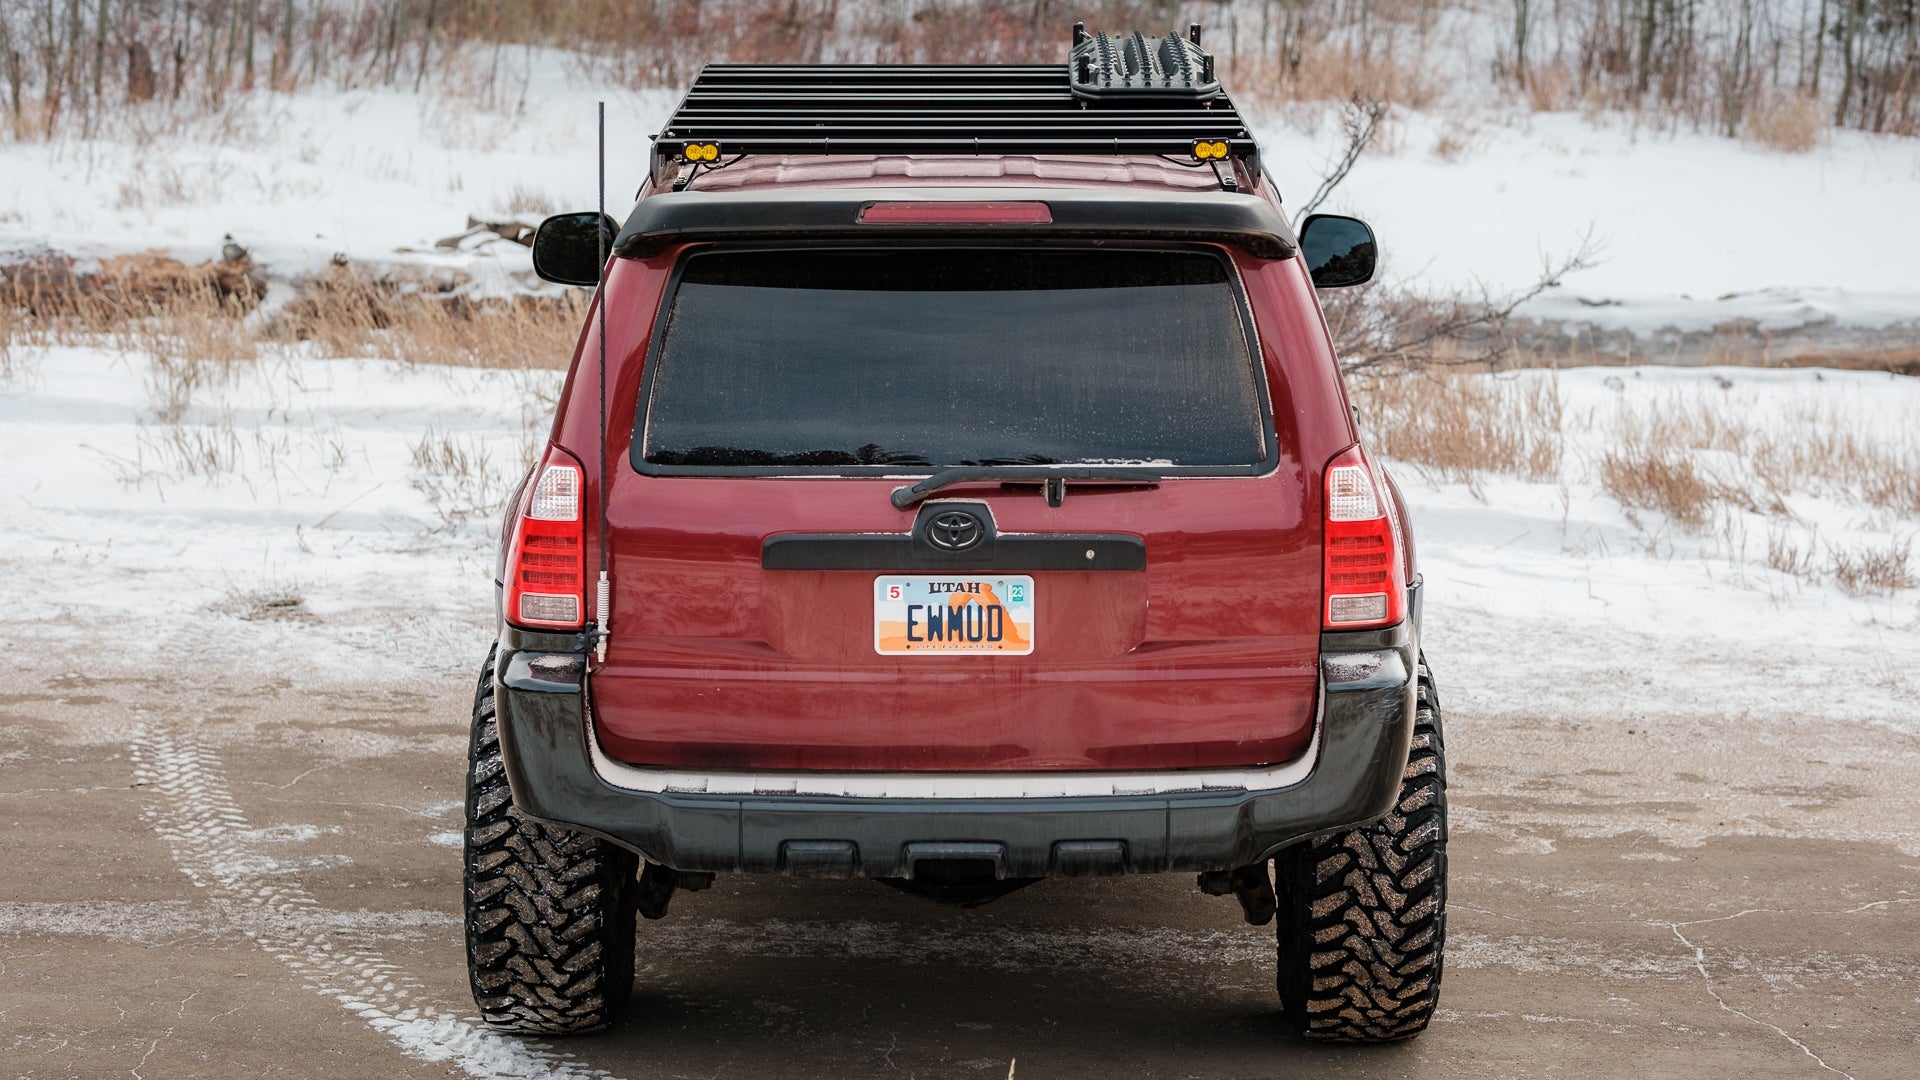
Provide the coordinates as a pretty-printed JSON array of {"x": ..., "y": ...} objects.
[{"x": 603, "y": 595}]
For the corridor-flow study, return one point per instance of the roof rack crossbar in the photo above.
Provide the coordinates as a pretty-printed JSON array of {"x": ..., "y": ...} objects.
[
  {"x": 1146, "y": 96},
  {"x": 989, "y": 144}
]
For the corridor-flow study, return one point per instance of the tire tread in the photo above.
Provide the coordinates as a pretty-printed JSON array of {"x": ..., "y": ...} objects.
[
  {"x": 1362, "y": 926},
  {"x": 549, "y": 912}
]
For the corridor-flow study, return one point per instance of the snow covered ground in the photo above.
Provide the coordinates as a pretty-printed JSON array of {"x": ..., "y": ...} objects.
[
  {"x": 1552, "y": 595},
  {"x": 376, "y": 176},
  {"x": 1694, "y": 228},
  {"x": 343, "y": 521},
  {"x": 323, "y": 518},
  {"x": 300, "y": 517}
]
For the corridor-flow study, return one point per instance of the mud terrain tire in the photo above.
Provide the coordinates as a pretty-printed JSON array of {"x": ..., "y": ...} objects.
[
  {"x": 549, "y": 912},
  {"x": 1363, "y": 914}
]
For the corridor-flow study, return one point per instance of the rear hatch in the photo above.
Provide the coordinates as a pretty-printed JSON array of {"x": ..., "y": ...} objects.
[{"x": 1156, "y": 606}]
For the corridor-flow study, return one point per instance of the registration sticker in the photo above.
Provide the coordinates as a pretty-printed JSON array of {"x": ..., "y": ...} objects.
[{"x": 953, "y": 615}]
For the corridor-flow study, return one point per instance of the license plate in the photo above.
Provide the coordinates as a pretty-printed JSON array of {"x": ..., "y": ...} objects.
[{"x": 953, "y": 615}]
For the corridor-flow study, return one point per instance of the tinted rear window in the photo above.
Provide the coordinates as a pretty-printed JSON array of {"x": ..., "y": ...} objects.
[{"x": 941, "y": 357}]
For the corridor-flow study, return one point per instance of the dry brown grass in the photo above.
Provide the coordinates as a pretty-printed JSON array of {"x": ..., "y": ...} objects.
[
  {"x": 1654, "y": 461},
  {"x": 49, "y": 293},
  {"x": 1704, "y": 463},
  {"x": 10, "y": 367},
  {"x": 1705, "y": 458},
  {"x": 1663, "y": 480},
  {"x": 345, "y": 313},
  {"x": 1550, "y": 88},
  {"x": 197, "y": 339},
  {"x": 189, "y": 317},
  {"x": 1331, "y": 73},
  {"x": 1458, "y": 426},
  {"x": 1457, "y": 139},
  {"x": 1873, "y": 571},
  {"x": 276, "y": 602},
  {"x": 524, "y": 199},
  {"x": 1819, "y": 452},
  {"x": 192, "y": 320},
  {"x": 1786, "y": 122},
  {"x": 1787, "y": 555},
  {"x": 175, "y": 377},
  {"x": 181, "y": 450},
  {"x": 1824, "y": 454},
  {"x": 457, "y": 475}
]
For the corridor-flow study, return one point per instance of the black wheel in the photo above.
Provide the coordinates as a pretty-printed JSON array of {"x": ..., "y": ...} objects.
[
  {"x": 550, "y": 912},
  {"x": 1363, "y": 914}
]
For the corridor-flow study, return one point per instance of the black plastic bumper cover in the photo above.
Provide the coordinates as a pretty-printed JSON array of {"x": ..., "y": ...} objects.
[{"x": 1366, "y": 725}]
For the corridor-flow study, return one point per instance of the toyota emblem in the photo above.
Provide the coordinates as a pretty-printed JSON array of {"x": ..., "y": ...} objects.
[{"x": 954, "y": 530}]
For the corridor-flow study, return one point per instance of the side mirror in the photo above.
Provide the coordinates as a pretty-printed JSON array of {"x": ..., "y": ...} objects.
[
  {"x": 568, "y": 247},
  {"x": 1340, "y": 251}
]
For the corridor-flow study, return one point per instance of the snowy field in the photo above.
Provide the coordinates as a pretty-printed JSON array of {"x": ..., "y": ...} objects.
[
  {"x": 298, "y": 516},
  {"x": 341, "y": 515},
  {"x": 374, "y": 176},
  {"x": 364, "y": 490},
  {"x": 289, "y": 504},
  {"x": 1554, "y": 594},
  {"x": 1692, "y": 228}
]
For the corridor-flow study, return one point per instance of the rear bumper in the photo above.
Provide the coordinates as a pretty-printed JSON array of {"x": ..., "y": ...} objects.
[{"x": 1358, "y": 755}]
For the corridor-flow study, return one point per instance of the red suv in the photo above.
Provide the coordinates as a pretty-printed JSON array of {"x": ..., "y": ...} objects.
[{"x": 955, "y": 486}]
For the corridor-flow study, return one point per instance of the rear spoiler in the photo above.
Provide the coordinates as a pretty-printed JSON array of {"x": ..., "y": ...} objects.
[{"x": 666, "y": 219}]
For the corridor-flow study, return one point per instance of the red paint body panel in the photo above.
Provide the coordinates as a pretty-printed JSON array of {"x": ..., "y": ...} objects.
[{"x": 1208, "y": 658}]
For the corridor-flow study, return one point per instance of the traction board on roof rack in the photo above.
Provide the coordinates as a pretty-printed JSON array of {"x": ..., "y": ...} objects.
[
  {"x": 1137, "y": 67},
  {"x": 1140, "y": 96}
]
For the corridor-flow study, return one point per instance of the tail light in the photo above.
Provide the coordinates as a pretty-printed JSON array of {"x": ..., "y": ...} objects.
[
  {"x": 546, "y": 563},
  {"x": 1366, "y": 583}
]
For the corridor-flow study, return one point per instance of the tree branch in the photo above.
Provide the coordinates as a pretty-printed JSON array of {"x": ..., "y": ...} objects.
[
  {"x": 1374, "y": 329},
  {"x": 1360, "y": 120}
]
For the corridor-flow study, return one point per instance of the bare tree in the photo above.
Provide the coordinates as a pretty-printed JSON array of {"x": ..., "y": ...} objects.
[
  {"x": 99, "y": 51},
  {"x": 1852, "y": 13},
  {"x": 1819, "y": 50},
  {"x": 1643, "y": 56},
  {"x": 11, "y": 59},
  {"x": 1360, "y": 120},
  {"x": 253, "y": 24},
  {"x": 282, "y": 74},
  {"x": 426, "y": 42},
  {"x": 1522, "y": 25},
  {"x": 1377, "y": 329},
  {"x": 1736, "y": 82}
]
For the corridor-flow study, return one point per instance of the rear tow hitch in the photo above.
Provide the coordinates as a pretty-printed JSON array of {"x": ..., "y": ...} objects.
[
  {"x": 1251, "y": 885},
  {"x": 658, "y": 884}
]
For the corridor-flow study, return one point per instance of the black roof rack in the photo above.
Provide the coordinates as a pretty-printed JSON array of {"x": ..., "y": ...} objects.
[{"x": 1141, "y": 96}]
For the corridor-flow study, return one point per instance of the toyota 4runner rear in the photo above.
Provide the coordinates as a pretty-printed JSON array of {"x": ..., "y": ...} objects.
[{"x": 954, "y": 486}]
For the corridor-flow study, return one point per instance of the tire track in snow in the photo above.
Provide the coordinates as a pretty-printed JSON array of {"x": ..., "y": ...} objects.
[{"x": 198, "y": 818}]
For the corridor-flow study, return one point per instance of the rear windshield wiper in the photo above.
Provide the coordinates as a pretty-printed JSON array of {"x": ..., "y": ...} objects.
[{"x": 1054, "y": 477}]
